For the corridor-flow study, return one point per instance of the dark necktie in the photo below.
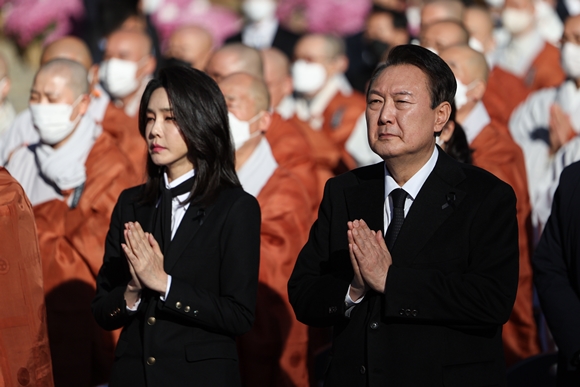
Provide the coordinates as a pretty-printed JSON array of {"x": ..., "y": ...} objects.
[
  {"x": 162, "y": 230},
  {"x": 398, "y": 195}
]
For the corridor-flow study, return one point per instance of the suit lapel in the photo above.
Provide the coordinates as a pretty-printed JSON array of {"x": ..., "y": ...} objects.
[
  {"x": 193, "y": 219},
  {"x": 366, "y": 200},
  {"x": 435, "y": 202}
]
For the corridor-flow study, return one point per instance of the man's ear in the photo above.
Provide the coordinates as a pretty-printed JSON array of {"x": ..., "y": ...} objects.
[
  {"x": 264, "y": 121},
  {"x": 340, "y": 64},
  {"x": 149, "y": 67},
  {"x": 442, "y": 113},
  {"x": 447, "y": 131}
]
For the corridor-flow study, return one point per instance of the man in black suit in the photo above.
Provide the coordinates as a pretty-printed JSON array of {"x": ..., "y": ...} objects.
[
  {"x": 263, "y": 29},
  {"x": 428, "y": 309},
  {"x": 557, "y": 274}
]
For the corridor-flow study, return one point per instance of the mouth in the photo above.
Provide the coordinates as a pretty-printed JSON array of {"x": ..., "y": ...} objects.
[{"x": 156, "y": 148}]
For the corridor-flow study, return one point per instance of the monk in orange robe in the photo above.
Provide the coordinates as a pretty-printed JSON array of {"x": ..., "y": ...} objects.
[
  {"x": 292, "y": 152},
  {"x": 496, "y": 152},
  {"x": 503, "y": 94},
  {"x": 24, "y": 350},
  {"x": 274, "y": 352},
  {"x": 127, "y": 48},
  {"x": 73, "y": 181}
]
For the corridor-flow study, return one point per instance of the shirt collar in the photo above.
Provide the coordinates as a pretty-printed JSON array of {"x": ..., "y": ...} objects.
[
  {"x": 415, "y": 183},
  {"x": 476, "y": 120},
  {"x": 179, "y": 180}
]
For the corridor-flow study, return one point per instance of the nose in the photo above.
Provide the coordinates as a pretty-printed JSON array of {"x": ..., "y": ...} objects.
[{"x": 387, "y": 115}]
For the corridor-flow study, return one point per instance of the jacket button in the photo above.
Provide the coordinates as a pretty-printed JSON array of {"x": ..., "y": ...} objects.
[
  {"x": 186, "y": 309},
  {"x": 195, "y": 312},
  {"x": 408, "y": 312},
  {"x": 332, "y": 309},
  {"x": 151, "y": 321},
  {"x": 363, "y": 370},
  {"x": 178, "y": 305},
  {"x": 151, "y": 360},
  {"x": 414, "y": 313},
  {"x": 374, "y": 325},
  {"x": 402, "y": 312}
]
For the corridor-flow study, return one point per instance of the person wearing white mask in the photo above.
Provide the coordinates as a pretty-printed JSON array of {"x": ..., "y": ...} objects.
[
  {"x": 262, "y": 28},
  {"x": 440, "y": 35},
  {"x": 546, "y": 127},
  {"x": 478, "y": 21},
  {"x": 127, "y": 67},
  {"x": 274, "y": 352},
  {"x": 327, "y": 107},
  {"x": 496, "y": 152},
  {"x": 528, "y": 55},
  {"x": 7, "y": 113},
  {"x": 72, "y": 177}
]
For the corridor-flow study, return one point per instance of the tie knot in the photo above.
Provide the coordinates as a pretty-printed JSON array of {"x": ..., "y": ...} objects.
[{"x": 398, "y": 195}]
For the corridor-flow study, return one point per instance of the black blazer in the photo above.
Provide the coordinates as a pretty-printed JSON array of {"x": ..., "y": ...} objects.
[
  {"x": 451, "y": 286},
  {"x": 284, "y": 40},
  {"x": 190, "y": 338},
  {"x": 556, "y": 264}
]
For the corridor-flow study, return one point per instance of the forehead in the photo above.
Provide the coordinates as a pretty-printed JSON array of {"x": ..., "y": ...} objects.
[
  {"x": 311, "y": 45},
  {"x": 455, "y": 58},
  {"x": 49, "y": 82},
  {"x": 238, "y": 89},
  {"x": 402, "y": 78},
  {"x": 572, "y": 25},
  {"x": 447, "y": 32},
  {"x": 124, "y": 43},
  {"x": 159, "y": 99}
]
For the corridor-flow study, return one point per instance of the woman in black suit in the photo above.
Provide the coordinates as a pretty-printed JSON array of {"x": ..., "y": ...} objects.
[{"x": 180, "y": 271}]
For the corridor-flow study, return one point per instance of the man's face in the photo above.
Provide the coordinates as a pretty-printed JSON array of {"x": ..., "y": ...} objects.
[
  {"x": 128, "y": 46},
  {"x": 571, "y": 31},
  {"x": 400, "y": 119},
  {"x": 51, "y": 88},
  {"x": 441, "y": 36},
  {"x": 222, "y": 64},
  {"x": 239, "y": 101},
  {"x": 379, "y": 26},
  {"x": 313, "y": 49},
  {"x": 184, "y": 46}
]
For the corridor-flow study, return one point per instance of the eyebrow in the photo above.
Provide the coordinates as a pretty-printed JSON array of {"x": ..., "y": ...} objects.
[{"x": 164, "y": 110}]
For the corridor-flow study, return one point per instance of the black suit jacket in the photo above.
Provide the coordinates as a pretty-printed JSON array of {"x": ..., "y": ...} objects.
[
  {"x": 450, "y": 288},
  {"x": 284, "y": 40},
  {"x": 556, "y": 265},
  {"x": 190, "y": 338}
]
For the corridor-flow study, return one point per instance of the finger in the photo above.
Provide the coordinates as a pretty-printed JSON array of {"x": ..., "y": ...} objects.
[
  {"x": 381, "y": 241},
  {"x": 154, "y": 245},
  {"x": 353, "y": 261},
  {"x": 128, "y": 253},
  {"x": 350, "y": 237},
  {"x": 350, "y": 225}
]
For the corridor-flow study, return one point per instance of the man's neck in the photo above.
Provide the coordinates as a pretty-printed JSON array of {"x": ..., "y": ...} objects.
[
  {"x": 245, "y": 152},
  {"x": 403, "y": 168}
]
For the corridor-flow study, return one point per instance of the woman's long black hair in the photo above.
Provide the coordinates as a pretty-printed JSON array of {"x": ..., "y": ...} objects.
[{"x": 201, "y": 114}]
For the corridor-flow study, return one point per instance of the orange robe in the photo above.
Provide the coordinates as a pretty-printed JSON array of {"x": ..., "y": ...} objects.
[
  {"x": 328, "y": 143},
  {"x": 72, "y": 242},
  {"x": 292, "y": 152},
  {"x": 24, "y": 350},
  {"x": 497, "y": 153},
  {"x": 125, "y": 132},
  {"x": 505, "y": 91},
  {"x": 274, "y": 352}
]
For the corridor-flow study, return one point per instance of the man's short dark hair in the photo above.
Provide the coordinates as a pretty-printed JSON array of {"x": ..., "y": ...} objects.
[{"x": 441, "y": 80}]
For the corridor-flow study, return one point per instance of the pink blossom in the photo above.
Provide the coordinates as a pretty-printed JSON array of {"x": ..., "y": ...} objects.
[{"x": 29, "y": 19}]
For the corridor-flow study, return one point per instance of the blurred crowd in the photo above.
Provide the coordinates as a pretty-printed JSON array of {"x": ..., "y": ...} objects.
[{"x": 294, "y": 75}]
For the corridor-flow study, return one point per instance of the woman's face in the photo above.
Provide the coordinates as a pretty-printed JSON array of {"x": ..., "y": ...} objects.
[{"x": 165, "y": 141}]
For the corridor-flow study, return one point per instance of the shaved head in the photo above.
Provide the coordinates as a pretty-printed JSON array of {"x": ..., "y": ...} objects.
[
  {"x": 253, "y": 87},
  {"x": 466, "y": 63},
  {"x": 191, "y": 44},
  {"x": 444, "y": 34},
  {"x": 235, "y": 58},
  {"x": 68, "y": 47},
  {"x": 438, "y": 10},
  {"x": 129, "y": 45},
  {"x": 73, "y": 72},
  {"x": 333, "y": 46},
  {"x": 277, "y": 74}
]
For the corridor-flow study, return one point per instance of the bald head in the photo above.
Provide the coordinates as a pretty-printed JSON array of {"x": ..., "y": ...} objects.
[
  {"x": 467, "y": 64},
  {"x": 73, "y": 74},
  {"x": 444, "y": 34},
  {"x": 330, "y": 46},
  {"x": 437, "y": 10},
  {"x": 128, "y": 45},
  {"x": 245, "y": 95},
  {"x": 277, "y": 74},
  {"x": 191, "y": 44},
  {"x": 235, "y": 58},
  {"x": 68, "y": 47}
]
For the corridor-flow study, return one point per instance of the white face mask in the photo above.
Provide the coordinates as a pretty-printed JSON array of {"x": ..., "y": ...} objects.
[
  {"x": 53, "y": 120},
  {"x": 515, "y": 20},
  {"x": 461, "y": 93},
  {"x": 495, "y": 3},
  {"x": 150, "y": 6},
  {"x": 571, "y": 59},
  {"x": 308, "y": 77},
  {"x": 240, "y": 130},
  {"x": 119, "y": 77},
  {"x": 476, "y": 45},
  {"x": 258, "y": 10}
]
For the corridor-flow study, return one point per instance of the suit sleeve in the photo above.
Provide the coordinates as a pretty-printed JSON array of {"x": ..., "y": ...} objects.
[
  {"x": 232, "y": 310},
  {"x": 109, "y": 306},
  {"x": 316, "y": 290},
  {"x": 553, "y": 270},
  {"x": 483, "y": 292}
]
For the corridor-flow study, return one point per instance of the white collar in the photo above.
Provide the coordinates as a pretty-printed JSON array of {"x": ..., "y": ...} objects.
[
  {"x": 176, "y": 182},
  {"x": 519, "y": 54},
  {"x": 476, "y": 120},
  {"x": 260, "y": 34},
  {"x": 568, "y": 97},
  {"x": 415, "y": 183},
  {"x": 258, "y": 169},
  {"x": 312, "y": 111}
]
